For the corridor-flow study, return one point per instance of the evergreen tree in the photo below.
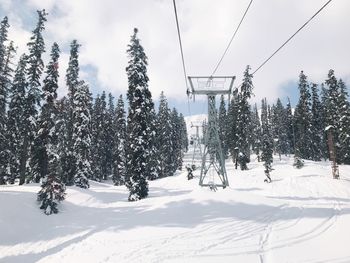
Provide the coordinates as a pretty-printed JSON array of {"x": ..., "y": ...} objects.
[
  {"x": 119, "y": 165},
  {"x": 256, "y": 132},
  {"x": 232, "y": 133},
  {"x": 344, "y": 124},
  {"x": 331, "y": 103},
  {"x": 109, "y": 130},
  {"x": 96, "y": 131},
  {"x": 17, "y": 126},
  {"x": 47, "y": 160},
  {"x": 177, "y": 151},
  {"x": 204, "y": 130},
  {"x": 324, "y": 105},
  {"x": 52, "y": 191},
  {"x": 273, "y": 124},
  {"x": 281, "y": 133},
  {"x": 4, "y": 144},
  {"x": 153, "y": 153},
  {"x": 139, "y": 122},
  {"x": 4, "y": 26},
  {"x": 317, "y": 125},
  {"x": 164, "y": 138},
  {"x": 7, "y": 70},
  {"x": 184, "y": 135},
  {"x": 36, "y": 48},
  {"x": 68, "y": 159},
  {"x": 302, "y": 115},
  {"x": 62, "y": 146},
  {"x": 270, "y": 119},
  {"x": 335, "y": 110},
  {"x": 101, "y": 145},
  {"x": 81, "y": 134},
  {"x": 290, "y": 127},
  {"x": 223, "y": 125},
  {"x": 267, "y": 141},
  {"x": 44, "y": 161},
  {"x": 243, "y": 122}
]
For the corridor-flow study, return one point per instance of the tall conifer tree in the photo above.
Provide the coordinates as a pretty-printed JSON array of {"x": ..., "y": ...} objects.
[
  {"x": 109, "y": 137},
  {"x": 267, "y": 141},
  {"x": 68, "y": 159},
  {"x": 47, "y": 160},
  {"x": 177, "y": 151},
  {"x": 45, "y": 157},
  {"x": 302, "y": 115},
  {"x": 290, "y": 127},
  {"x": 17, "y": 125},
  {"x": 344, "y": 124},
  {"x": 223, "y": 125},
  {"x": 99, "y": 138},
  {"x": 232, "y": 132},
  {"x": 184, "y": 136},
  {"x": 164, "y": 138},
  {"x": 244, "y": 122},
  {"x": 280, "y": 126},
  {"x": 317, "y": 125},
  {"x": 82, "y": 134},
  {"x": 119, "y": 165},
  {"x": 256, "y": 132},
  {"x": 139, "y": 123},
  {"x": 4, "y": 144},
  {"x": 36, "y": 48}
]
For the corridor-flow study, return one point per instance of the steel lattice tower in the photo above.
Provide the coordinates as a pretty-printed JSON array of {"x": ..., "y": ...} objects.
[
  {"x": 212, "y": 156},
  {"x": 196, "y": 143}
]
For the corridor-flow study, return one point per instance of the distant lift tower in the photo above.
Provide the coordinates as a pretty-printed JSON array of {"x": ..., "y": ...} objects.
[
  {"x": 212, "y": 156},
  {"x": 196, "y": 144}
]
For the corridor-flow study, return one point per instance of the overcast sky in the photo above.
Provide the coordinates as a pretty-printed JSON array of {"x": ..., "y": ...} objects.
[{"x": 104, "y": 27}]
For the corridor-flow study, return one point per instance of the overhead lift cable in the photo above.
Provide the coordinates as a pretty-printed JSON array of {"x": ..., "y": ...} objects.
[
  {"x": 290, "y": 38},
  {"x": 233, "y": 36},
  {"x": 182, "y": 57}
]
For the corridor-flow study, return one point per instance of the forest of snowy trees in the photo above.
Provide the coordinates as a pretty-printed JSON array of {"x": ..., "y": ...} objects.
[
  {"x": 281, "y": 130},
  {"x": 68, "y": 141},
  {"x": 77, "y": 138}
]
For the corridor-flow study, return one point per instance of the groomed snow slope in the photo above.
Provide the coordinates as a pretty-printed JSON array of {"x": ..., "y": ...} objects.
[{"x": 303, "y": 216}]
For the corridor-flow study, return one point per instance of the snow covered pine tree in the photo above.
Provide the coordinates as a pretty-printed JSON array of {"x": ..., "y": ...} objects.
[
  {"x": 119, "y": 171},
  {"x": 36, "y": 48},
  {"x": 68, "y": 159},
  {"x": 244, "y": 121},
  {"x": 52, "y": 189},
  {"x": 4, "y": 152},
  {"x": 82, "y": 135},
  {"x": 267, "y": 142},
  {"x": 139, "y": 140},
  {"x": 164, "y": 140}
]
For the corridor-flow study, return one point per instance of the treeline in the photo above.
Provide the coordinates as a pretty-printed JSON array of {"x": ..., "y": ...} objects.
[
  {"x": 279, "y": 129},
  {"x": 78, "y": 138}
]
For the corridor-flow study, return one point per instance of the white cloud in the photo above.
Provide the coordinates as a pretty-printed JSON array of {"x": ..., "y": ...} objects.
[
  {"x": 5, "y": 5},
  {"x": 104, "y": 28},
  {"x": 42, "y": 4}
]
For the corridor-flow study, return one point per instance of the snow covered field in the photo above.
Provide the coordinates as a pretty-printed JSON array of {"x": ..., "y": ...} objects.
[{"x": 303, "y": 216}]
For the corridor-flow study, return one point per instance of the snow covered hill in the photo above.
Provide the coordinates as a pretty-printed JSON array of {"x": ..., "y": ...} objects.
[{"x": 303, "y": 216}]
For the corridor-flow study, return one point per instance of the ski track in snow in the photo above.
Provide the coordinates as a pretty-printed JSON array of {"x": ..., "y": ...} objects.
[{"x": 299, "y": 217}]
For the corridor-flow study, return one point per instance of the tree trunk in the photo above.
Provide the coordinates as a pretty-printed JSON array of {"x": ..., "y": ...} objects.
[{"x": 23, "y": 161}]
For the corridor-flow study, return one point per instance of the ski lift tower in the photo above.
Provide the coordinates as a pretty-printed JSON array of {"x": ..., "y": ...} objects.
[{"x": 212, "y": 155}]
